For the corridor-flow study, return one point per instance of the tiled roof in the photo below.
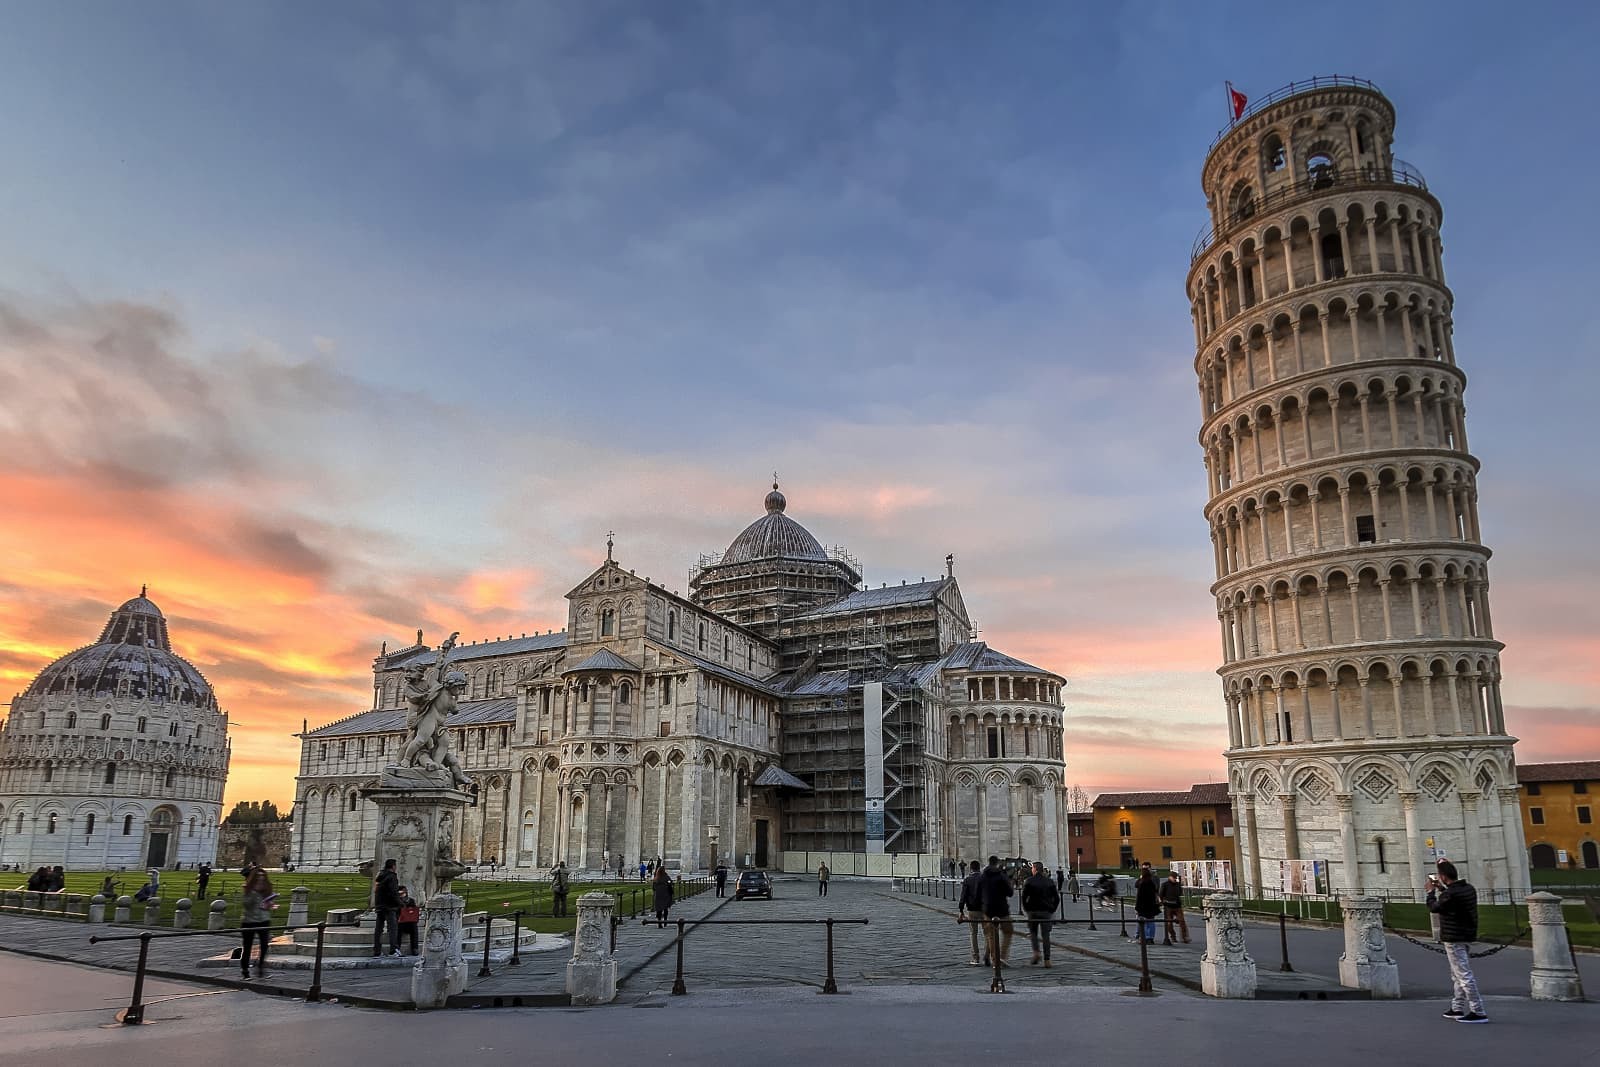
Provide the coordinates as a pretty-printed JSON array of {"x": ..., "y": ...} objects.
[
  {"x": 511, "y": 646},
  {"x": 978, "y": 656},
  {"x": 393, "y": 720},
  {"x": 776, "y": 775},
  {"x": 1579, "y": 771},
  {"x": 885, "y": 597},
  {"x": 1209, "y": 793},
  {"x": 728, "y": 673},
  {"x": 602, "y": 659}
]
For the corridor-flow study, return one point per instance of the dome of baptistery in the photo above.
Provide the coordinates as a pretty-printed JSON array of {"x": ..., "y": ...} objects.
[
  {"x": 774, "y": 536},
  {"x": 115, "y": 756}
]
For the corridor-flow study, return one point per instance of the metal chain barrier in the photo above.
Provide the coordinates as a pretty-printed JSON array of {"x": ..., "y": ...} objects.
[{"x": 1498, "y": 947}]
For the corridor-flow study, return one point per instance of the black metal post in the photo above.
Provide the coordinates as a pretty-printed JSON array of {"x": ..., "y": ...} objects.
[
  {"x": 314, "y": 994},
  {"x": 616, "y": 921},
  {"x": 516, "y": 939},
  {"x": 1283, "y": 938},
  {"x": 1089, "y": 903},
  {"x": 829, "y": 985},
  {"x": 678, "y": 988},
  {"x": 1122, "y": 913},
  {"x": 488, "y": 927},
  {"x": 134, "y": 1015},
  {"x": 1144, "y": 967}
]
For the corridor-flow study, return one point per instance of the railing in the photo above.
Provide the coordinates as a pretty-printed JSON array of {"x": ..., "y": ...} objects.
[
  {"x": 1322, "y": 81},
  {"x": 1398, "y": 173},
  {"x": 829, "y": 984}
]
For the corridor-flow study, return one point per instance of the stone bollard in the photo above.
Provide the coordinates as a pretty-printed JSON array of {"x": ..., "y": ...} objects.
[
  {"x": 180, "y": 913},
  {"x": 218, "y": 919},
  {"x": 442, "y": 970},
  {"x": 97, "y": 909},
  {"x": 1226, "y": 969},
  {"x": 124, "y": 912},
  {"x": 299, "y": 906},
  {"x": 1554, "y": 977},
  {"x": 152, "y": 911},
  {"x": 592, "y": 971},
  {"x": 13, "y": 898},
  {"x": 32, "y": 900},
  {"x": 74, "y": 906},
  {"x": 1365, "y": 963}
]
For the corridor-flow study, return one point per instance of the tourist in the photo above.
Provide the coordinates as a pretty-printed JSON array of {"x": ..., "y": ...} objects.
[
  {"x": 822, "y": 880},
  {"x": 408, "y": 915},
  {"x": 970, "y": 911},
  {"x": 1107, "y": 884},
  {"x": 204, "y": 880},
  {"x": 255, "y": 915},
  {"x": 386, "y": 910},
  {"x": 1146, "y": 904},
  {"x": 108, "y": 888},
  {"x": 621, "y": 866},
  {"x": 58, "y": 879},
  {"x": 644, "y": 867},
  {"x": 1073, "y": 887},
  {"x": 1061, "y": 880},
  {"x": 560, "y": 883},
  {"x": 1172, "y": 908},
  {"x": 661, "y": 895},
  {"x": 38, "y": 880},
  {"x": 146, "y": 891},
  {"x": 1040, "y": 899},
  {"x": 722, "y": 879},
  {"x": 995, "y": 890},
  {"x": 1455, "y": 901}
]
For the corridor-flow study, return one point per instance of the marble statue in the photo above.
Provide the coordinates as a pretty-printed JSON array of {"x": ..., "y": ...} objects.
[{"x": 431, "y": 694}]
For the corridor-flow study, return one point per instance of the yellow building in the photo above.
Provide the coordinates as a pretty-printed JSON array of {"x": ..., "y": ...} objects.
[
  {"x": 1132, "y": 828},
  {"x": 1558, "y": 814}
]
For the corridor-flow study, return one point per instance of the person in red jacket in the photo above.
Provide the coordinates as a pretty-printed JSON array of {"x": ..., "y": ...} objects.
[{"x": 409, "y": 916}]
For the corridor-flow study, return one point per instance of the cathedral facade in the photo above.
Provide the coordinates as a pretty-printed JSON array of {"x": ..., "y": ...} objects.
[
  {"x": 778, "y": 713},
  {"x": 115, "y": 756}
]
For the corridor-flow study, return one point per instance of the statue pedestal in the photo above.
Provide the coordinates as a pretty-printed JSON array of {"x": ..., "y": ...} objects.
[
  {"x": 592, "y": 972},
  {"x": 414, "y": 830},
  {"x": 1226, "y": 969},
  {"x": 442, "y": 971},
  {"x": 1366, "y": 963}
]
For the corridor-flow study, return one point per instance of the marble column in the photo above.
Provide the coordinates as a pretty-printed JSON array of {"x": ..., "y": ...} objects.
[{"x": 1347, "y": 841}]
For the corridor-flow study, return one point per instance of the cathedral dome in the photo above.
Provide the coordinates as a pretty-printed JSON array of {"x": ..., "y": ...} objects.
[
  {"x": 774, "y": 535},
  {"x": 134, "y": 649}
]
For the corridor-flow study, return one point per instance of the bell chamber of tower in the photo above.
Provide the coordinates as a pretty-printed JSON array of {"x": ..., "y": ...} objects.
[{"x": 1359, "y": 665}]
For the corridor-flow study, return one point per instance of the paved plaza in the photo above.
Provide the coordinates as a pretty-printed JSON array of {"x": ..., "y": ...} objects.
[{"x": 907, "y": 995}]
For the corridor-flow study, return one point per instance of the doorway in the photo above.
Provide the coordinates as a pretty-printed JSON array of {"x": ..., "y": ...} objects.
[
  {"x": 1591, "y": 855},
  {"x": 157, "y": 856},
  {"x": 761, "y": 843},
  {"x": 1544, "y": 857}
]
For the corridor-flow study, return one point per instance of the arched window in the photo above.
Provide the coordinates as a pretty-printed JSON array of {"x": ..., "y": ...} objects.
[
  {"x": 1320, "y": 170},
  {"x": 750, "y": 657},
  {"x": 72, "y": 719},
  {"x": 727, "y": 648},
  {"x": 666, "y": 689},
  {"x": 191, "y": 826},
  {"x": 127, "y": 825},
  {"x": 702, "y": 637},
  {"x": 608, "y": 622},
  {"x": 49, "y": 770},
  {"x": 1243, "y": 203},
  {"x": 353, "y": 798},
  {"x": 624, "y": 693},
  {"x": 143, "y": 722},
  {"x": 672, "y": 625},
  {"x": 172, "y": 776},
  {"x": 111, "y": 774},
  {"x": 50, "y": 826},
  {"x": 1272, "y": 152},
  {"x": 88, "y": 826},
  {"x": 19, "y": 822},
  {"x": 105, "y": 722}
]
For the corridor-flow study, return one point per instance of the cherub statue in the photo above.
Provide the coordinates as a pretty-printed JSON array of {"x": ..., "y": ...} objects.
[{"x": 431, "y": 698}]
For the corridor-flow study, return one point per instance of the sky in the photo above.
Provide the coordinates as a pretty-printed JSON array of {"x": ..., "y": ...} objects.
[{"x": 330, "y": 322}]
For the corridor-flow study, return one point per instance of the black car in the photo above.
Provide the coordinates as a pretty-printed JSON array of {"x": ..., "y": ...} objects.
[{"x": 753, "y": 884}]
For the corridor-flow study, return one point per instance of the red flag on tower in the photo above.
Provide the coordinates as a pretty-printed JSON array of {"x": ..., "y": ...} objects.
[{"x": 1236, "y": 101}]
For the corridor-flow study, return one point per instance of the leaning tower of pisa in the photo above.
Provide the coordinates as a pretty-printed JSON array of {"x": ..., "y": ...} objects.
[{"x": 1359, "y": 665}]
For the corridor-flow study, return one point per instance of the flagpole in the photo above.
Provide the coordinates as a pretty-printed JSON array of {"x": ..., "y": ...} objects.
[{"x": 1227, "y": 88}]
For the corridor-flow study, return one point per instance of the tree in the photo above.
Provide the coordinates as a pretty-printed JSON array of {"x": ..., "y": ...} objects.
[
  {"x": 1077, "y": 798},
  {"x": 254, "y": 811}
]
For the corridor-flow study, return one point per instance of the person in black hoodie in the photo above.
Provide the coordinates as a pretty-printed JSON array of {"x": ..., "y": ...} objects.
[
  {"x": 994, "y": 889},
  {"x": 970, "y": 911},
  {"x": 1040, "y": 899},
  {"x": 1455, "y": 901},
  {"x": 386, "y": 909},
  {"x": 1146, "y": 904},
  {"x": 1172, "y": 906}
]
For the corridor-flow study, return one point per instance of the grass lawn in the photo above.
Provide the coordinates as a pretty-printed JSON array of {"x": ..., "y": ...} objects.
[
  {"x": 1553, "y": 877},
  {"x": 352, "y": 891}
]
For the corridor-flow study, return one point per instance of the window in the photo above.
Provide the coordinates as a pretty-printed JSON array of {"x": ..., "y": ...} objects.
[
  {"x": 665, "y": 730},
  {"x": 49, "y": 771},
  {"x": 1125, "y": 855},
  {"x": 172, "y": 730},
  {"x": 127, "y": 825},
  {"x": 1166, "y": 852},
  {"x": 483, "y": 739},
  {"x": 994, "y": 742},
  {"x": 111, "y": 774},
  {"x": 505, "y": 736},
  {"x": 88, "y": 826},
  {"x": 1164, "y": 827},
  {"x": 1125, "y": 828},
  {"x": 353, "y": 799},
  {"x": 666, "y": 690},
  {"x": 322, "y": 751},
  {"x": 1320, "y": 171},
  {"x": 1533, "y": 789},
  {"x": 105, "y": 722},
  {"x": 727, "y": 648},
  {"x": 1208, "y": 828},
  {"x": 1580, "y": 787},
  {"x": 361, "y": 747},
  {"x": 172, "y": 776},
  {"x": 191, "y": 826},
  {"x": 624, "y": 693},
  {"x": 672, "y": 625},
  {"x": 1077, "y": 829},
  {"x": 72, "y": 719},
  {"x": 1272, "y": 150},
  {"x": 608, "y": 622},
  {"x": 1536, "y": 816},
  {"x": 1366, "y": 533},
  {"x": 344, "y": 749},
  {"x": 50, "y": 826},
  {"x": 1583, "y": 814},
  {"x": 1383, "y": 862},
  {"x": 142, "y": 723},
  {"x": 750, "y": 657},
  {"x": 19, "y": 822},
  {"x": 702, "y": 637}
]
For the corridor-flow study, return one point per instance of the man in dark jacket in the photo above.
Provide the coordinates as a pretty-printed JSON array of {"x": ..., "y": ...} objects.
[
  {"x": 1147, "y": 904},
  {"x": 722, "y": 879},
  {"x": 970, "y": 911},
  {"x": 1456, "y": 903},
  {"x": 994, "y": 889},
  {"x": 386, "y": 909},
  {"x": 1040, "y": 899},
  {"x": 1172, "y": 907}
]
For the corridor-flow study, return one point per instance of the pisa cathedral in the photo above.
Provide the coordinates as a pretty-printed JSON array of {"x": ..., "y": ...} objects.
[
  {"x": 1360, "y": 669},
  {"x": 780, "y": 712},
  {"x": 115, "y": 756}
]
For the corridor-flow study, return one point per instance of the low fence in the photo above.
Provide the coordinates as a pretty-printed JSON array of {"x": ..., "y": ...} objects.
[
  {"x": 866, "y": 864},
  {"x": 679, "y": 986}
]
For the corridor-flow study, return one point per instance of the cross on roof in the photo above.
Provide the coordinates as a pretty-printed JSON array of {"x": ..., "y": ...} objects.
[{"x": 610, "y": 541}]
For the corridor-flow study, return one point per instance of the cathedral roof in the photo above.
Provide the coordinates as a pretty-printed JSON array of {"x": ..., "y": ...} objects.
[
  {"x": 602, "y": 659},
  {"x": 133, "y": 647},
  {"x": 885, "y": 597},
  {"x": 978, "y": 656},
  {"x": 774, "y": 536},
  {"x": 510, "y": 646},
  {"x": 493, "y": 712}
]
